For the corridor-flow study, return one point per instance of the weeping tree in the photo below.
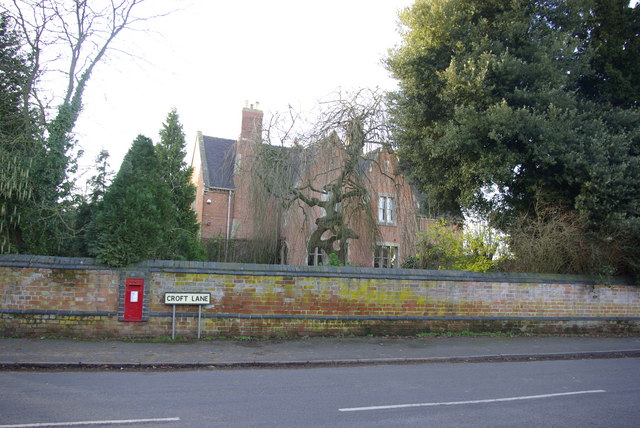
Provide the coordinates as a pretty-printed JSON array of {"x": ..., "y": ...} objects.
[
  {"x": 319, "y": 170},
  {"x": 341, "y": 193}
]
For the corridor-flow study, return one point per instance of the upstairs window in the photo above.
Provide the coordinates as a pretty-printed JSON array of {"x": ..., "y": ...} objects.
[
  {"x": 386, "y": 210},
  {"x": 385, "y": 256},
  {"x": 325, "y": 197}
]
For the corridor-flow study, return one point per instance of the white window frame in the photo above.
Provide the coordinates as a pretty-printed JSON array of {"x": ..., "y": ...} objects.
[
  {"x": 317, "y": 258},
  {"x": 386, "y": 260},
  {"x": 386, "y": 210},
  {"x": 325, "y": 197}
]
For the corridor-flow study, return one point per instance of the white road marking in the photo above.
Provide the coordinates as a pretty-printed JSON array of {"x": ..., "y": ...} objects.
[
  {"x": 84, "y": 423},
  {"x": 457, "y": 403}
]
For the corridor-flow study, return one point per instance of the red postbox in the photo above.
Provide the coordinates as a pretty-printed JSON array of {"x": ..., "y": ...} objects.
[{"x": 133, "y": 299}]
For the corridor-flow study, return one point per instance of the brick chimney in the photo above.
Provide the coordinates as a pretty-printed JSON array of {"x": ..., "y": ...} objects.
[
  {"x": 251, "y": 123},
  {"x": 244, "y": 213}
]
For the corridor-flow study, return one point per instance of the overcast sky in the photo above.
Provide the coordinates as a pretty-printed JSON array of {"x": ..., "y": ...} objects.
[{"x": 211, "y": 56}]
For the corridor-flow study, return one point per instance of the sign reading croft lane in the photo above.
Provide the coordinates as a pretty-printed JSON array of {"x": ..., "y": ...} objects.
[{"x": 187, "y": 298}]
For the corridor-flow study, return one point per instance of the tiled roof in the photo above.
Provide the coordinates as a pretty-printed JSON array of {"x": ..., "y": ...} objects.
[{"x": 218, "y": 159}]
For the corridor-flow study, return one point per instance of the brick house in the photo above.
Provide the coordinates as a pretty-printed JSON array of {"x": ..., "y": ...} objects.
[{"x": 227, "y": 208}]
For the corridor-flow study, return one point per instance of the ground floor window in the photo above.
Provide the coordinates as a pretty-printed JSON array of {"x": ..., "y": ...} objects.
[
  {"x": 385, "y": 256},
  {"x": 317, "y": 257}
]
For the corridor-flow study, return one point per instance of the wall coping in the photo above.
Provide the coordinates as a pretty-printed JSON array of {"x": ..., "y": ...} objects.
[{"x": 51, "y": 262}]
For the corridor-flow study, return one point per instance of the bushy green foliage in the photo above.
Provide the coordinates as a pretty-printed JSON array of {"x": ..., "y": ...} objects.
[
  {"x": 505, "y": 105},
  {"x": 37, "y": 207},
  {"x": 135, "y": 213},
  {"x": 87, "y": 208},
  {"x": 17, "y": 138},
  {"x": 334, "y": 260},
  {"x": 445, "y": 246},
  {"x": 411, "y": 262},
  {"x": 38, "y": 151},
  {"x": 615, "y": 53},
  {"x": 146, "y": 212},
  {"x": 181, "y": 241}
]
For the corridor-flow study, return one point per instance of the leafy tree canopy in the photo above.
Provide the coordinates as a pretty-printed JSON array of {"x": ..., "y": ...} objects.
[
  {"x": 614, "y": 38},
  {"x": 505, "y": 105}
]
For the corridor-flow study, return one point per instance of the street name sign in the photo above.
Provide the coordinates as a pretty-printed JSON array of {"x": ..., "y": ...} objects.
[
  {"x": 187, "y": 298},
  {"x": 173, "y": 299}
]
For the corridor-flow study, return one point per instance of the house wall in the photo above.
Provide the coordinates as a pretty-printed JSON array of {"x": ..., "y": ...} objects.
[
  {"x": 298, "y": 227},
  {"x": 78, "y": 297},
  {"x": 243, "y": 211},
  {"x": 300, "y": 221},
  {"x": 385, "y": 180},
  {"x": 245, "y": 217},
  {"x": 229, "y": 208},
  {"x": 216, "y": 214},
  {"x": 253, "y": 216},
  {"x": 197, "y": 179}
]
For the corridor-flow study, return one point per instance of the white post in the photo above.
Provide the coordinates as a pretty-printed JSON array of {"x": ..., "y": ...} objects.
[
  {"x": 173, "y": 324},
  {"x": 199, "y": 313}
]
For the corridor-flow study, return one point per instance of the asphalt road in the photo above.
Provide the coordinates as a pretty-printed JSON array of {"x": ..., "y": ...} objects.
[{"x": 577, "y": 393}]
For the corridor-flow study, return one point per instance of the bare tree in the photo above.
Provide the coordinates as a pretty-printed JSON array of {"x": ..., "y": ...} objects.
[
  {"x": 68, "y": 37},
  {"x": 64, "y": 41},
  {"x": 320, "y": 170}
]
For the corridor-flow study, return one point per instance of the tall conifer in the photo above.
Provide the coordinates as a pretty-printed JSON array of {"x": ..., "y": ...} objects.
[
  {"x": 136, "y": 211},
  {"x": 182, "y": 242}
]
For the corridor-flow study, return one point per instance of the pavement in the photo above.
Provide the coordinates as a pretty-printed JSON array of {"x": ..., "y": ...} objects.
[{"x": 72, "y": 354}]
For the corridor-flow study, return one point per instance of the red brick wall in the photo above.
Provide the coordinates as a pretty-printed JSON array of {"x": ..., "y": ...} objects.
[
  {"x": 384, "y": 180},
  {"x": 84, "y": 299},
  {"x": 216, "y": 213},
  {"x": 381, "y": 180},
  {"x": 244, "y": 212},
  {"x": 251, "y": 128},
  {"x": 235, "y": 215},
  {"x": 244, "y": 216},
  {"x": 252, "y": 217},
  {"x": 197, "y": 178}
]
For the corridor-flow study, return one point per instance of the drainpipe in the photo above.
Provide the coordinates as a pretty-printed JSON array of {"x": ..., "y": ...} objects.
[{"x": 229, "y": 214}]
